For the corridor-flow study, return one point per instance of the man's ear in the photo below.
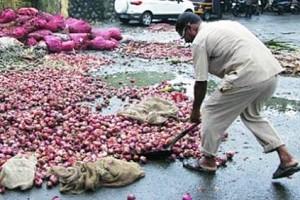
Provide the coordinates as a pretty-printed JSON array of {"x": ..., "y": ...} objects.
[
  {"x": 188, "y": 26},
  {"x": 194, "y": 27}
]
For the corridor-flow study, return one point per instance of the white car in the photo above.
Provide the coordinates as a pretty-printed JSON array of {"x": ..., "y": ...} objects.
[{"x": 146, "y": 10}]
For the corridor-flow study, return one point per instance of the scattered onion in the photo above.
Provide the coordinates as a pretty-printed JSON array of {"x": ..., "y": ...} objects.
[
  {"x": 131, "y": 197},
  {"x": 187, "y": 196}
]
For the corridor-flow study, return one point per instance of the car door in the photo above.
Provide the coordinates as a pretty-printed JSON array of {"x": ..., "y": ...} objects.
[
  {"x": 175, "y": 7},
  {"x": 162, "y": 7}
]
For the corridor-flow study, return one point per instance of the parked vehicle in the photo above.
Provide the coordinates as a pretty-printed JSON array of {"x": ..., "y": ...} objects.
[
  {"x": 281, "y": 6},
  {"x": 295, "y": 7},
  {"x": 239, "y": 7},
  {"x": 207, "y": 9},
  {"x": 146, "y": 10}
]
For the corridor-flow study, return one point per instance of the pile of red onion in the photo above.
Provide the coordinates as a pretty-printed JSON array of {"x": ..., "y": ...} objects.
[
  {"x": 43, "y": 111},
  {"x": 161, "y": 27},
  {"x": 80, "y": 62},
  {"x": 162, "y": 50},
  {"x": 290, "y": 61}
]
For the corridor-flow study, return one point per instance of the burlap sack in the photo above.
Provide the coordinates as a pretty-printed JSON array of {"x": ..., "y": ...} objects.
[
  {"x": 106, "y": 171},
  {"x": 18, "y": 172},
  {"x": 152, "y": 110}
]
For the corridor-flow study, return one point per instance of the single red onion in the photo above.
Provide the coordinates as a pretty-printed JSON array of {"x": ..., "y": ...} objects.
[
  {"x": 38, "y": 182},
  {"x": 2, "y": 189},
  {"x": 187, "y": 196},
  {"x": 131, "y": 197},
  {"x": 55, "y": 198},
  {"x": 230, "y": 154}
]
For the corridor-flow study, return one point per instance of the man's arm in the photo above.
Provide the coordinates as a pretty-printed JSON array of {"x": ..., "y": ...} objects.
[{"x": 200, "y": 88}]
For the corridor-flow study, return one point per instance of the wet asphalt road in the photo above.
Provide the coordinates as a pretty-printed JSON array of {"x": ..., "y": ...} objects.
[{"x": 248, "y": 176}]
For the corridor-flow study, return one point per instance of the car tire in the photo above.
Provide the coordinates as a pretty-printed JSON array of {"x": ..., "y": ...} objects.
[
  {"x": 280, "y": 10},
  {"x": 188, "y": 10},
  {"x": 124, "y": 21},
  {"x": 295, "y": 11},
  {"x": 235, "y": 12},
  {"x": 206, "y": 16},
  {"x": 146, "y": 18}
]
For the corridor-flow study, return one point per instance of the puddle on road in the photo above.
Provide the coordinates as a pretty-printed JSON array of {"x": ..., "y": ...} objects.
[
  {"x": 121, "y": 79},
  {"x": 140, "y": 73},
  {"x": 148, "y": 78},
  {"x": 277, "y": 103},
  {"x": 114, "y": 106},
  {"x": 138, "y": 79},
  {"x": 282, "y": 104}
]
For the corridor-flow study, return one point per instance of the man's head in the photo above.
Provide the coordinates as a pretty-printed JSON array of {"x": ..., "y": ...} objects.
[{"x": 187, "y": 26}]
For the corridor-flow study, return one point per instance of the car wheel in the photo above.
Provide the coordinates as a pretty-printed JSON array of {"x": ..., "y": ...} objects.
[
  {"x": 235, "y": 12},
  {"x": 146, "y": 18},
  {"x": 188, "y": 10},
  {"x": 124, "y": 21},
  {"x": 206, "y": 16},
  {"x": 279, "y": 12}
]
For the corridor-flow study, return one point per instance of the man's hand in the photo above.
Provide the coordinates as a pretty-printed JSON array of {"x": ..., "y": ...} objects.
[
  {"x": 195, "y": 116},
  {"x": 199, "y": 94}
]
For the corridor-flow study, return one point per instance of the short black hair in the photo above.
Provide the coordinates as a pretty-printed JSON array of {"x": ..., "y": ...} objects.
[{"x": 184, "y": 19}]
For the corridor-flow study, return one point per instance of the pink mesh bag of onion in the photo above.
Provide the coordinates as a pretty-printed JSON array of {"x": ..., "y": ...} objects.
[
  {"x": 80, "y": 39},
  {"x": 7, "y": 15},
  {"x": 54, "y": 44},
  {"x": 27, "y": 11},
  {"x": 68, "y": 45},
  {"x": 78, "y": 26},
  {"x": 31, "y": 42},
  {"x": 101, "y": 32},
  {"x": 100, "y": 43},
  {"x": 40, "y": 34},
  {"x": 115, "y": 33},
  {"x": 111, "y": 44},
  {"x": 39, "y": 23},
  {"x": 59, "y": 20},
  {"x": 18, "y": 32}
]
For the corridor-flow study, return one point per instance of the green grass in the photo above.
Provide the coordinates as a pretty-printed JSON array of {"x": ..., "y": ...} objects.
[{"x": 279, "y": 45}]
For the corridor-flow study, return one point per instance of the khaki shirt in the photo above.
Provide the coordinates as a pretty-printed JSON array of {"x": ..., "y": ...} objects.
[{"x": 230, "y": 51}]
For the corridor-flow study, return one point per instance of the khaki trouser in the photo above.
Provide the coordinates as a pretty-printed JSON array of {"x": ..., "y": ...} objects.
[{"x": 222, "y": 108}]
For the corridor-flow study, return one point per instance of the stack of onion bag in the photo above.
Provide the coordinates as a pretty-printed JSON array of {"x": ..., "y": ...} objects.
[{"x": 32, "y": 26}]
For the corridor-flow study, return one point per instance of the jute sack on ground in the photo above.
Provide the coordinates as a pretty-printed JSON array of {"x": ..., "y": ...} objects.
[
  {"x": 152, "y": 110},
  {"x": 106, "y": 171},
  {"x": 18, "y": 172}
]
